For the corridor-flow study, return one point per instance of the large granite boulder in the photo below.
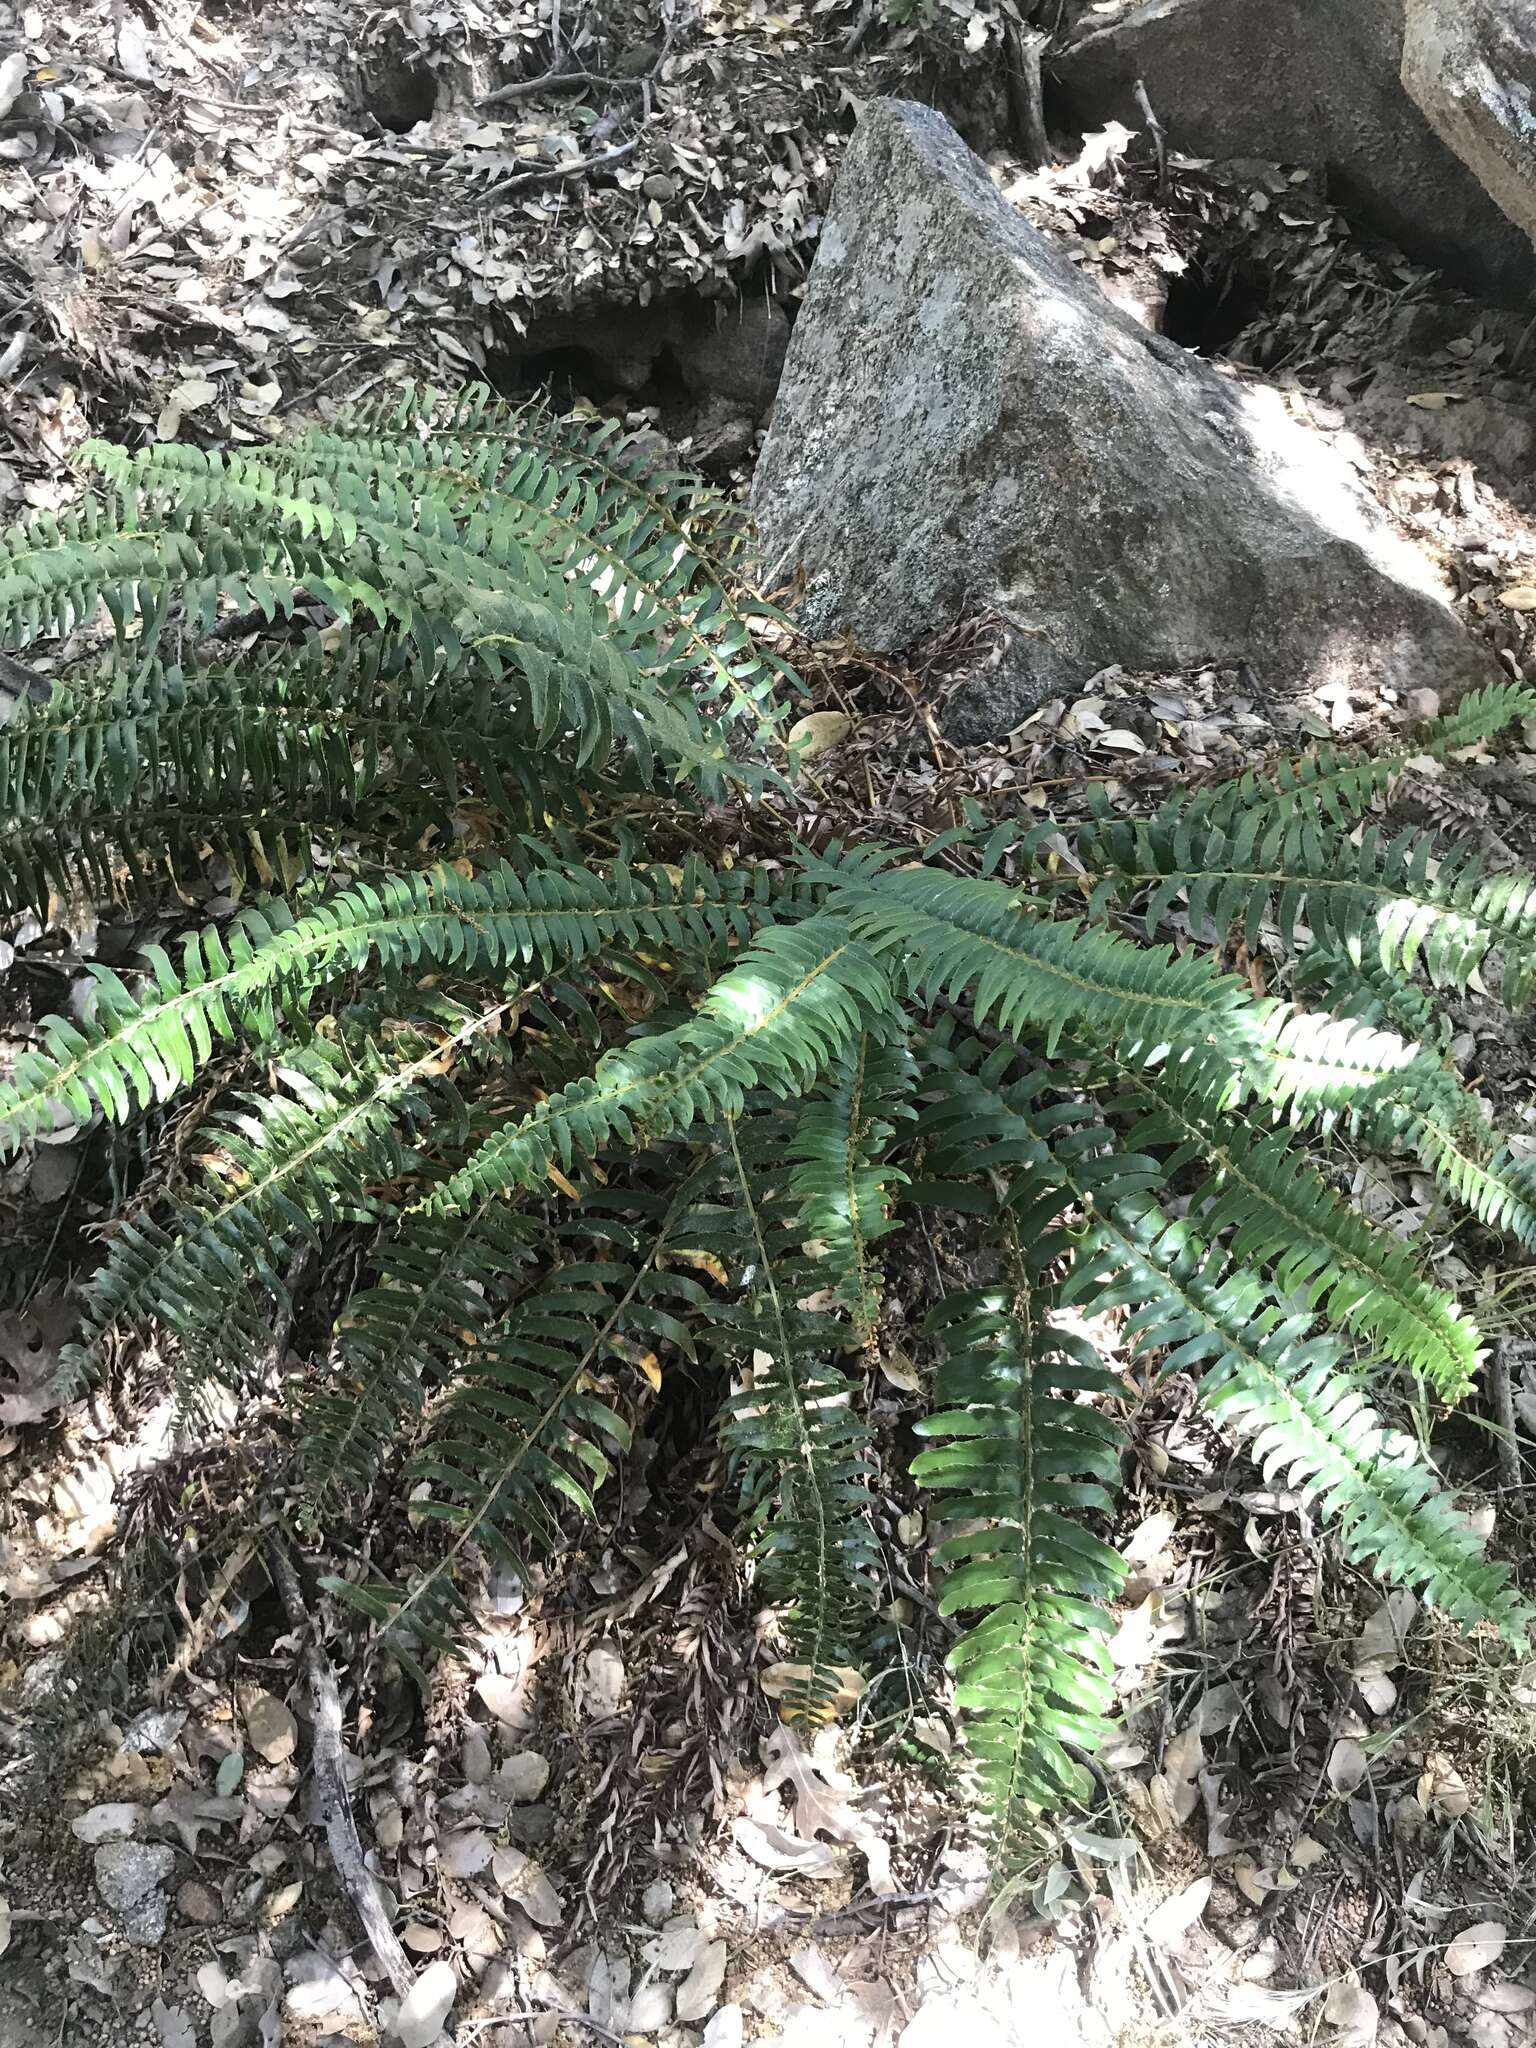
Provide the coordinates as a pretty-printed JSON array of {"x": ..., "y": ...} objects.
[
  {"x": 1470, "y": 65},
  {"x": 967, "y": 423},
  {"x": 1318, "y": 82}
]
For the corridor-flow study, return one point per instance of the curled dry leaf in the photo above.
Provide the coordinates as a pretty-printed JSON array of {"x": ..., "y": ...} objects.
[
  {"x": 273, "y": 1732},
  {"x": 1168, "y": 1923},
  {"x": 425, "y": 2007},
  {"x": 772, "y": 1849},
  {"x": 819, "y": 731},
  {"x": 522, "y": 1881},
  {"x": 1347, "y": 1765},
  {"x": 1476, "y": 1948}
]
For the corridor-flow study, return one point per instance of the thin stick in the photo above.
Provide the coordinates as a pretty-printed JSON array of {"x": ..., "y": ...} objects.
[
  {"x": 1159, "y": 137},
  {"x": 1025, "y": 92},
  {"x": 331, "y": 1776},
  {"x": 474, "y": 2028},
  {"x": 1502, "y": 1397},
  {"x": 578, "y": 167}
]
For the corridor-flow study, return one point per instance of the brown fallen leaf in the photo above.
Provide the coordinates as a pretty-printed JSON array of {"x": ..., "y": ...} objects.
[{"x": 273, "y": 1732}]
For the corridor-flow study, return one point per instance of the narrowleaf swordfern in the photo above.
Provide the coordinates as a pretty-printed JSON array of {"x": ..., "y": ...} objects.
[{"x": 585, "y": 1105}]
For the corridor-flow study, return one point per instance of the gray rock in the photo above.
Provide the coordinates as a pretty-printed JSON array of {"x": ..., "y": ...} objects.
[
  {"x": 966, "y": 423},
  {"x": 130, "y": 1878},
  {"x": 738, "y": 353},
  {"x": 1470, "y": 66},
  {"x": 1304, "y": 81}
]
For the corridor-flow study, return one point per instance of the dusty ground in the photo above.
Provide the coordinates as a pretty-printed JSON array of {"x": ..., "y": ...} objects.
[{"x": 222, "y": 218}]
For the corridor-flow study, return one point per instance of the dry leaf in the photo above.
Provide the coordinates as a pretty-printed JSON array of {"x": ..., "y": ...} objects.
[
  {"x": 33, "y": 1382},
  {"x": 521, "y": 1879},
  {"x": 467, "y": 1853},
  {"x": 700, "y": 1989},
  {"x": 823, "y": 1798},
  {"x": 424, "y": 2008},
  {"x": 772, "y": 1849},
  {"x": 273, "y": 1732},
  {"x": 1476, "y": 1948},
  {"x": 5, "y": 1923},
  {"x": 524, "y": 1776},
  {"x": 1305, "y": 1852},
  {"x": 1380, "y": 1650},
  {"x": 817, "y": 732},
  {"x": 1505, "y": 1996},
  {"x": 1520, "y": 597},
  {"x": 603, "y": 1692},
  {"x": 780, "y": 1679},
  {"x": 1171, "y": 1921},
  {"x": 1352, "y": 2011},
  {"x": 1347, "y": 1765}
]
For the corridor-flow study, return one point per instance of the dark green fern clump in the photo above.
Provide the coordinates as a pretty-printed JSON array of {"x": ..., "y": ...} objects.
[{"x": 586, "y": 1107}]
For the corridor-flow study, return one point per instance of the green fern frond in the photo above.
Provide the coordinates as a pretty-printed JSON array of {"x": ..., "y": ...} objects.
[
  {"x": 138, "y": 1049},
  {"x": 796, "y": 999},
  {"x": 843, "y": 1178},
  {"x": 282, "y": 1171},
  {"x": 588, "y": 513},
  {"x": 1341, "y": 783},
  {"x": 1290, "y": 1391},
  {"x": 524, "y": 1429},
  {"x": 1272, "y": 1372},
  {"x": 1021, "y": 970},
  {"x": 797, "y": 1419},
  {"x": 1406, "y": 900},
  {"x": 1276, "y": 1212},
  {"x": 1021, "y": 1454}
]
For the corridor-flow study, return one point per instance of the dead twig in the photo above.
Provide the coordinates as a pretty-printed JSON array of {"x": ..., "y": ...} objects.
[
  {"x": 1501, "y": 1399},
  {"x": 1026, "y": 101},
  {"x": 577, "y": 167},
  {"x": 329, "y": 1767},
  {"x": 1159, "y": 136},
  {"x": 553, "y": 80}
]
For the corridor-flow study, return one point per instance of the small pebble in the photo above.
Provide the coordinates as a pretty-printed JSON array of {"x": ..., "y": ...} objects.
[
  {"x": 1422, "y": 704},
  {"x": 199, "y": 1903}
]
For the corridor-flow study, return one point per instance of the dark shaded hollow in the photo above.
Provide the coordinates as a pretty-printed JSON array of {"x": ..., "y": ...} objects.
[
  {"x": 1212, "y": 302},
  {"x": 398, "y": 91}
]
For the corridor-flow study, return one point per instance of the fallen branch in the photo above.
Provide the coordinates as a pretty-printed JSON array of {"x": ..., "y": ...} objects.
[
  {"x": 329, "y": 1766},
  {"x": 576, "y": 167},
  {"x": 553, "y": 80}
]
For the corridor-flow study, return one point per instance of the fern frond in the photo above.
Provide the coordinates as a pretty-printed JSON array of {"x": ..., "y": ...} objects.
[
  {"x": 1340, "y": 783},
  {"x": 284, "y": 1170},
  {"x": 1286, "y": 1384},
  {"x": 1406, "y": 900},
  {"x": 154, "y": 765},
  {"x": 138, "y": 1049},
  {"x": 364, "y": 539},
  {"x": 797, "y": 998},
  {"x": 797, "y": 1420},
  {"x": 1021, "y": 970},
  {"x": 1277, "y": 1213},
  {"x": 843, "y": 1178},
  {"x": 1020, "y": 1454},
  {"x": 590, "y": 514},
  {"x": 524, "y": 1428}
]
